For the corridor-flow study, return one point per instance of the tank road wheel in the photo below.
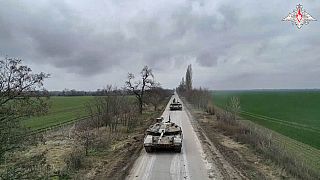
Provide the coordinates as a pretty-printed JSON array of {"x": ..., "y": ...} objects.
[
  {"x": 177, "y": 149},
  {"x": 148, "y": 149}
]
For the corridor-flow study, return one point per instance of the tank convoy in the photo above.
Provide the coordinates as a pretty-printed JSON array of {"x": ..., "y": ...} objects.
[
  {"x": 163, "y": 135},
  {"x": 175, "y": 105}
]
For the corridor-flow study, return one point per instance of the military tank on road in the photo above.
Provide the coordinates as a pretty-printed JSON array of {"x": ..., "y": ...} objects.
[
  {"x": 175, "y": 105},
  {"x": 163, "y": 135}
]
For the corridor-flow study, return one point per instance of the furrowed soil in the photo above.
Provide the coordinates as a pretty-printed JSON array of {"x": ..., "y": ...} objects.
[{"x": 222, "y": 148}]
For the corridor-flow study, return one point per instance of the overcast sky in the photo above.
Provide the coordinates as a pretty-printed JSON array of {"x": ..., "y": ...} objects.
[{"x": 88, "y": 44}]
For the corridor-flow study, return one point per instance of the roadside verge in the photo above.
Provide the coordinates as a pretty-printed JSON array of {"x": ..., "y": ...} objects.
[{"x": 234, "y": 159}]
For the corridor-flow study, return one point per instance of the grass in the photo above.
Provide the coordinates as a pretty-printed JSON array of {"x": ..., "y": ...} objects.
[
  {"x": 294, "y": 114},
  {"x": 62, "y": 109}
]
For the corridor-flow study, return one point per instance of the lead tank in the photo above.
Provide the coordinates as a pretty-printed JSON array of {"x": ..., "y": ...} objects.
[{"x": 163, "y": 135}]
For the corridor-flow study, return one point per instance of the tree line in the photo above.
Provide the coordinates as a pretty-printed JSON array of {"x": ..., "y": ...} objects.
[
  {"x": 23, "y": 95},
  {"x": 199, "y": 97}
]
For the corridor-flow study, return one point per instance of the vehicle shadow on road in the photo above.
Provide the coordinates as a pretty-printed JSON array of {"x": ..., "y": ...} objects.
[{"x": 164, "y": 151}]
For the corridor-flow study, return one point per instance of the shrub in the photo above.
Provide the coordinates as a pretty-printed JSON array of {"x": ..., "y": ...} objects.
[{"x": 74, "y": 160}]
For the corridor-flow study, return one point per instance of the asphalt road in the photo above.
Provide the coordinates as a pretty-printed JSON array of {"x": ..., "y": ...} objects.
[{"x": 189, "y": 164}]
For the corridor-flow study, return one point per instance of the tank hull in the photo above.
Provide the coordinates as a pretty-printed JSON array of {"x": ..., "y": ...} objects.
[
  {"x": 163, "y": 136},
  {"x": 175, "y": 107}
]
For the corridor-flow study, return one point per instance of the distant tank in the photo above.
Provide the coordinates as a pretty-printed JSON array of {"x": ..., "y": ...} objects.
[
  {"x": 163, "y": 135},
  {"x": 175, "y": 105}
]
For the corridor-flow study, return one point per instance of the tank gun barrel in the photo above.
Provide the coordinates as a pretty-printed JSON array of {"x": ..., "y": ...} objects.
[{"x": 162, "y": 132}]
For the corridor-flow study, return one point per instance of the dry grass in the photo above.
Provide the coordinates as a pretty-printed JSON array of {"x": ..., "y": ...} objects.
[
  {"x": 262, "y": 140},
  {"x": 84, "y": 150}
]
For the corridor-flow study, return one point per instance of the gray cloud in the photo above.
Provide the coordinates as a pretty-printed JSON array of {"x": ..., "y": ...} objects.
[{"x": 232, "y": 42}]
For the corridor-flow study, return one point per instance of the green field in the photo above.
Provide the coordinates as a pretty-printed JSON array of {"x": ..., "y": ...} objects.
[
  {"x": 62, "y": 109},
  {"x": 294, "y": 113}
]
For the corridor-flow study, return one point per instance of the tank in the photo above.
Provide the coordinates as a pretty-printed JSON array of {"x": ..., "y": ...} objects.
[
  {"x": 163, "y": 135},
  {"x": 174, "y": 106}
]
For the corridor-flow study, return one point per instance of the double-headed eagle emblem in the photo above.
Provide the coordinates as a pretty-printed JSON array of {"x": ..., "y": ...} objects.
[{"x": 299, "y": 17}]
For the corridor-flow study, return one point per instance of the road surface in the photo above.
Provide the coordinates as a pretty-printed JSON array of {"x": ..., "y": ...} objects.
[{"x": 189, "y": 164}]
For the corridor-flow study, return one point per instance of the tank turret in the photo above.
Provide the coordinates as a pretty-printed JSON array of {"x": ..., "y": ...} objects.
[
  {"x": 163, "y": 135},
  {"x": 175, "y": 105}
]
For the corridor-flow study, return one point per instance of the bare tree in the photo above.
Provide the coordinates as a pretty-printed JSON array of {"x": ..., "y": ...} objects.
[
  {"x": 139, "y": 87},
  {"x": 20, "y": 96},
  {"x": 182, "y": 86},
  {"x": 186, "y": 84},
  {"x": 111, "y": 110},
  {"x": 84, "y": 135},
  {"x": 155, "y": 95},
  {"x": 189, "y": 78},
  {"x": 234, "y": 107}
]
